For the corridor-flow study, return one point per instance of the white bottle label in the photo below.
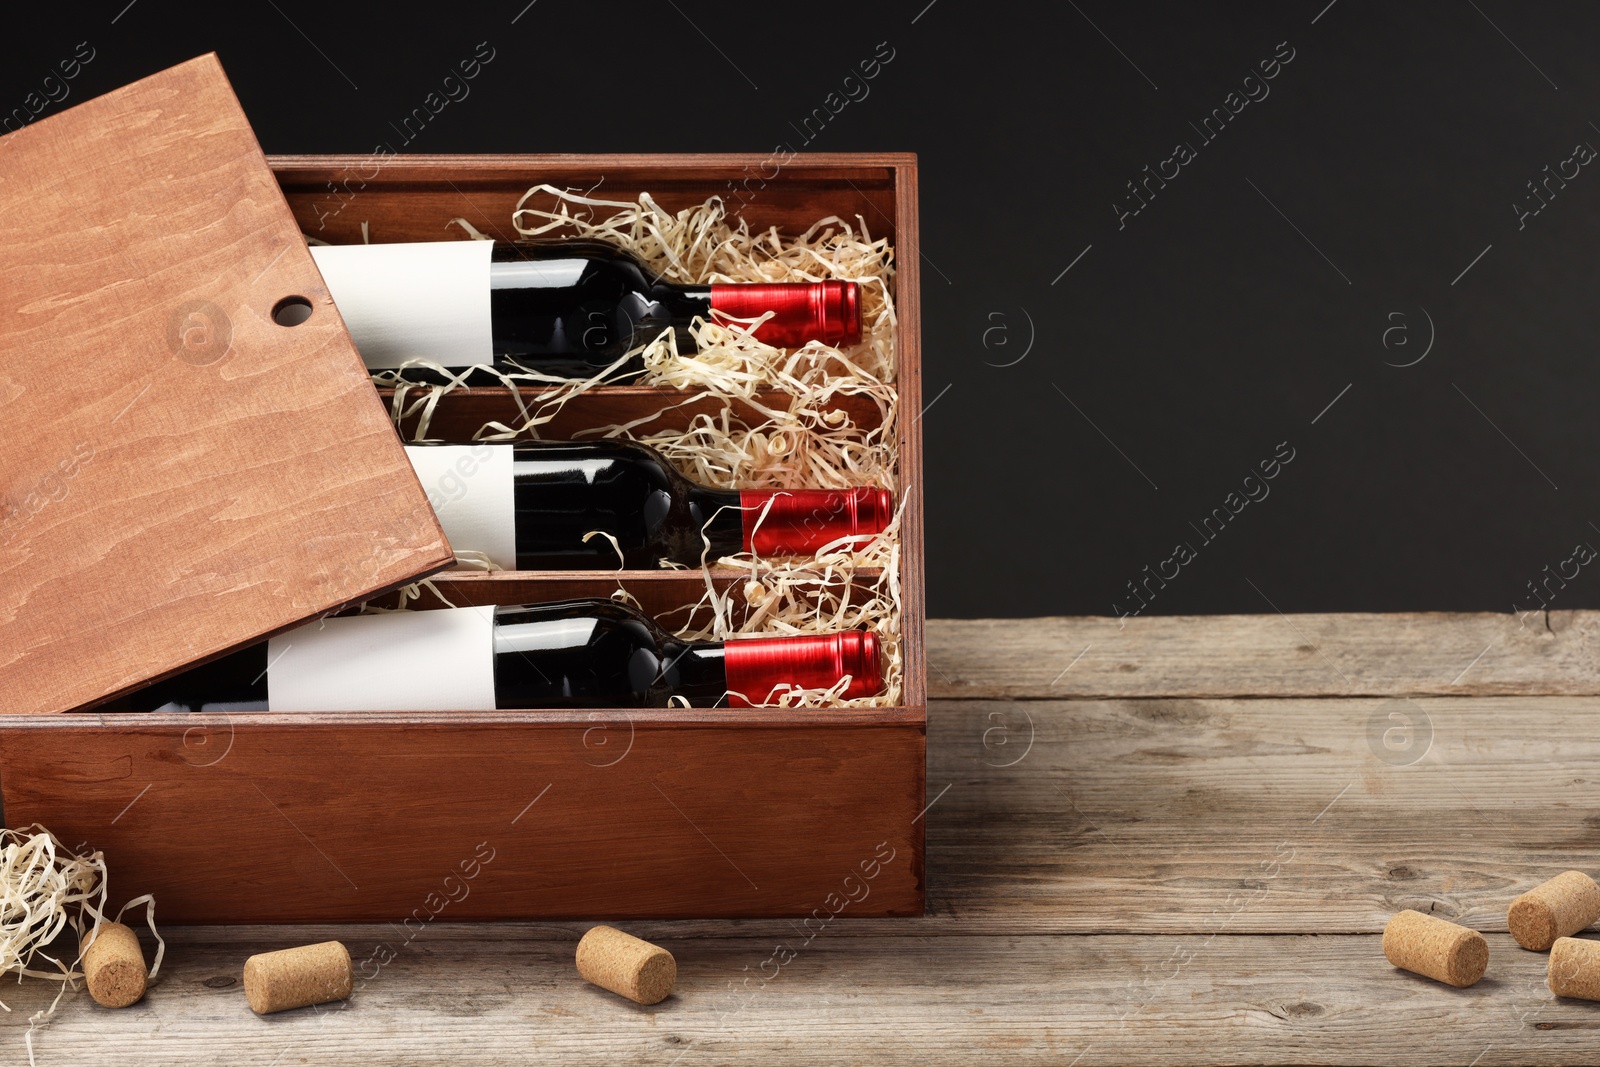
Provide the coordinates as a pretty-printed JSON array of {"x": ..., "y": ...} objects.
[
  {"x": 473, "y": 492},
  {"x": 426, "y": 300},
  {"x": 401, "y": 661}
]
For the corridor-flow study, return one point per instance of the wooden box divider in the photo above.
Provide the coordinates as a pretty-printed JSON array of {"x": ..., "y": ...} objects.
[
  {"x": 464, "y": 410},
  {"x": 672, "y": 597}
]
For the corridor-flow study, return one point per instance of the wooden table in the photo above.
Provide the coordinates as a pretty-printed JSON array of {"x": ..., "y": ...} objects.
[{"x": 1171, "y": 842}]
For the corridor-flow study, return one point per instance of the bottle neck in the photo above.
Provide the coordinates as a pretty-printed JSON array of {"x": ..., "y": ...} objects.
[
  {"x": 759, "y": 669},
  {"x": 682, "y": 304},
  {"x": 696, "y": 671},
  {"x": 798, "y": 522},
  {"x": 719, "y": 513},
  {"x": 829, "y": 312}
]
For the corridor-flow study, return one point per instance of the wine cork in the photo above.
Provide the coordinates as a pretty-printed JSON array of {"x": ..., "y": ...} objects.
[
  {"x": 1435, "y": 948},
  {"x": 1575, "y": 968},
  {"x": 297, "y": 977},
  {"x": 1560, "y": 907},
  {"x": 113, "y": 965},
  {"x": 627, "y": 966}
]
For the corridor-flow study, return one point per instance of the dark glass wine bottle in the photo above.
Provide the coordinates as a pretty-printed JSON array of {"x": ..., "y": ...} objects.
[
  {"x": 590, "y": 653},
  {"x": 566, "y": 491},
  {"x": 570, "y": 308}
]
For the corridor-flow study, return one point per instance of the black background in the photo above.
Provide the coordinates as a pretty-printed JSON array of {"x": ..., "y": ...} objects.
[{"x": 1093, "y": 414}]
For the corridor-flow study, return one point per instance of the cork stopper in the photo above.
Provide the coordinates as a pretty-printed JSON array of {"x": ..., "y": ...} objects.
[
  {"x": 627, "y": 966},
  {"x": 1560, "y": 907},
  {"x": 1435, "y": 948},
  {"x": 113, "y": 965},
  {"x": 297, "y": 977},
  {"x": 1575, "y": 968}
]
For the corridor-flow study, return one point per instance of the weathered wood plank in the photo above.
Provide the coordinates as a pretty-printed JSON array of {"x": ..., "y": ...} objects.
[
  {"x": 1266, "y": 655},
  {"x": 1254, "y": 815},
  {"x": 1037, "y": 999}
]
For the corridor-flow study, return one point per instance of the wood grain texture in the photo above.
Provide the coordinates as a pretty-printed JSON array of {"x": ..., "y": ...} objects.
[
  {"x": 369, "y": 817},
  {"x": 1554, "y": 653},
  {"x": 333, "y": 195},
  {"x": 1166, "y": 817},
  {"x": 908, "y": 309},
  {"x": 1289, "y": 999},
  {"x": 182, "y": 475},
  {"x": 461, "y": 413},
  {"x": 1166, "y": 880},
  {"x": 1254, "y": 815},
  {"x": 1140, "y": 816}
]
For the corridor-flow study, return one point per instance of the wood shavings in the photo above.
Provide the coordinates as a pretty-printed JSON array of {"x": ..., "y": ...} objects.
[
  {"x": 802, "y": 434},
  {"x": 414, "y": 591},
  {"x": 46, "y": 887},
  {"x": 843, "y": 588},
  {"x": 621, "y": 559}
]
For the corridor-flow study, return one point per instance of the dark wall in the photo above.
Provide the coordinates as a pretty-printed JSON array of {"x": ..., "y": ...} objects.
[{"x": 1350, "y": 280}]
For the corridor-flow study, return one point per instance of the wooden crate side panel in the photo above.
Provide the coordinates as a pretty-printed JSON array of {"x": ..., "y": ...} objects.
[
  {"x": 275, "y": 822},
  {"x": 908, "y": 306},
  {"x": 405, "y": 199}
]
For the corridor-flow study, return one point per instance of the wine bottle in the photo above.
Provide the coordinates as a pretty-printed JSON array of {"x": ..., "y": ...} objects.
[
  {"x": 531, "y": 506},
  {"x": 564, "y": 308},
  {"x": 570, "y": 654}
]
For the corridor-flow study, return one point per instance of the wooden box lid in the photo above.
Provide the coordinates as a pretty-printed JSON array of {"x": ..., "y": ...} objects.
[{"x": 179, "y": 473}]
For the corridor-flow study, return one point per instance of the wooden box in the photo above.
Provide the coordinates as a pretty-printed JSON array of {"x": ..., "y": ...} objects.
[{"x": 522, "y": 814}]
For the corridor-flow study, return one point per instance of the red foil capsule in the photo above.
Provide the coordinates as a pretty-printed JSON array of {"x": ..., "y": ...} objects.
[
  {"x": 801, "y": 521},
  {"x": 829, "y": 312},
  {"x": 756, "y": 666}
]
